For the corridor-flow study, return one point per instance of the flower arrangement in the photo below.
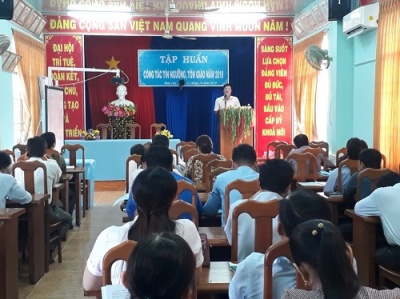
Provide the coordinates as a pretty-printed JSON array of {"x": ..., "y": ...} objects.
[
  {"x": 90, "y": 134},
  {"x": 118, "y": 111},
  {"x": 238, "y": 122},
  {"x": 165, "y": 132}
]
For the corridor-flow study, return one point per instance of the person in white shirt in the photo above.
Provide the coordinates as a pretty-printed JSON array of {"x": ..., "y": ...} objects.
[
  {"x": 9, "y": 188},
  {"x": 275, "y": 178},
  {"x": 36, "y": 149},
  {"x": 227, "y": 100},
  {"x": 385, "y": 203}
]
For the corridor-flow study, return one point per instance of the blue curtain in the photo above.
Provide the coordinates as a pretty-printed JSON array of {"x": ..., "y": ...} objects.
[{"x": 189, "y": 112}]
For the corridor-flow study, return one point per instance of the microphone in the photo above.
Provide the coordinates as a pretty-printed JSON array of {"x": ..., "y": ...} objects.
[{"x": 225, "y": 99}]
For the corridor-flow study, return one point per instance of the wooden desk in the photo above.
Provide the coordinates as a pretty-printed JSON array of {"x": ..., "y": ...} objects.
[
  {"x": 65, "y": 178},
  {"x": 36, "y": 234},
  {"x": 364, "y": 240},
  {"x": 76, "y": 171},
  {"x": 333, "y": 201},
  {"x": 313, "y": 186},
  {"x": 215, "y": 279},
  {"x": 216, "y": 235},
  {"x": 8, "y": 250}
]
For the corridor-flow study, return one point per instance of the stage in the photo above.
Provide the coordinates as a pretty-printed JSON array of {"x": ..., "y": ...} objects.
[{"x": 110, "y": 155}]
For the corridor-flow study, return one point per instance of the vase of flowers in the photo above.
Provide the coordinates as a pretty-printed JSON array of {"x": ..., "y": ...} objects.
[
  {"x": 238, "y": 122},
  {"x": 165, "y": 132},
  {"x": 119, "y": 116},
  {"x": 90, "y": 134}
]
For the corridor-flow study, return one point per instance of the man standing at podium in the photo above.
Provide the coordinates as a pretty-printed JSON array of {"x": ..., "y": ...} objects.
[{"x": 227, "y": 100}]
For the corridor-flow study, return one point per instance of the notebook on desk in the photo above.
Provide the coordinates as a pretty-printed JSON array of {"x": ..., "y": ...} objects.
[{"x": 333, "y": 193}]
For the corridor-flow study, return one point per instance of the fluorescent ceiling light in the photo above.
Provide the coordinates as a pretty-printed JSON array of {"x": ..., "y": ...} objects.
[
  {"x": 235, "y": 18},
  {"x": 100, "y": 15},
  {"x": 98, "y": 8}
]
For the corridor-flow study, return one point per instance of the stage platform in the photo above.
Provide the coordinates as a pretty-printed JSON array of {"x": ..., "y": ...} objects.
[{"x": 110, "y": 155}]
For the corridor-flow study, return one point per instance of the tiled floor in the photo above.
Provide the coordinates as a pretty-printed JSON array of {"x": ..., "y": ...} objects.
[{"x": 65, "y": 280}]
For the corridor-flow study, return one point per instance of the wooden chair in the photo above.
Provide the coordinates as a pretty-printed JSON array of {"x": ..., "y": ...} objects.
[
  {"x": 103, "y": 128},
  {"x": 174, "y": 153},
  {"x": 383, "y": 164},
  {"x": 10, "y": 153},
  {"x": 73, "y": 150},
  {"x": 212, "y": 165},
  {"x": 373, "y": 175},
  {"x": 322, "y": 144},
  {"x": 204, "y": 159},
  {"x": 54, "y": 229},
  {"x": 189, "y": 153},
  {"x": 339, "y": 153},
  {"x": 352, "y": 164},
  {"x": 320, "y": 154},
  {"x": 273, "y": 145},
  {"x": 214, "y": 173},
  {"x": 131, "y": 128},
  {"x": 154, "y": 128},
  {"x": 179, "y": 146},
  {"x": 21, "y": 147},
  {"x": 280, "y": 249},
  {"x": 306, "y": 166},
  {"x": 185, "y": 185},
  {"x": 179, "y": 207},
  {"x": 119, "y": 252},
  {"x": 387, "y": 274},
  {"x": 134, "y": 158},
  {"x": 262, "y": 213},
  {"x": 246, "y": 188},
  {"x": 283, "y": 150}
]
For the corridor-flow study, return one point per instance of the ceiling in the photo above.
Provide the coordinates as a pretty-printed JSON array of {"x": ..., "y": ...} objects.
[{"x": 184, "y": 7}]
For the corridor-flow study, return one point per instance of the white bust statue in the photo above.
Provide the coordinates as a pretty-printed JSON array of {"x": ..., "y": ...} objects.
[{"x": 121, "y": 93}]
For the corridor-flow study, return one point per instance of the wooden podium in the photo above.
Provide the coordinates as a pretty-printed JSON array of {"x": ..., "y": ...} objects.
[{"x": 225, "y": 143}]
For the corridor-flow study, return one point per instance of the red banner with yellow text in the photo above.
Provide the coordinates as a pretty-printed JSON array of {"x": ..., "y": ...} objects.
[
  {"x": 273, "y": 105},
  {"x": 181, "y": 26},
  {"x": 67, "y": 51}
]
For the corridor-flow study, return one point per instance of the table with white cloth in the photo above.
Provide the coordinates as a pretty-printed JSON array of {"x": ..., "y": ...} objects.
[
  {"x": 110, "y": 155},
  {"x": 90, "y": 167}
]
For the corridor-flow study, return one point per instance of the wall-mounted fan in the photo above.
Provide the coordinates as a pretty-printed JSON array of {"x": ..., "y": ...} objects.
[
  {"x": 4, "y": 43},
  {"x": 318, "y": 58}
]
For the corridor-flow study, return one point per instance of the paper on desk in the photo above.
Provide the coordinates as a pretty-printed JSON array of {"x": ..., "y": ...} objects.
[
  {"x": 233, "y": 266},
  {"x": 115, "y": 292},
  {"x": 121, "y": 199}
]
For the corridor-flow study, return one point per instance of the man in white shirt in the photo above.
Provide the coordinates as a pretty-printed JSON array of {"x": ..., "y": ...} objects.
[
  {"x": 227, "y": 100},
  {"x": 36, "y": 149},
  {"x": 9, "y": 188},
  {"x": 275, "y": 178},
  {"x": 385, "y": 203}
]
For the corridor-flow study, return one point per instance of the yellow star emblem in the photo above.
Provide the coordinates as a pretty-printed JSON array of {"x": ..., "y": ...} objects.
[{"x": 112, "y": 64}]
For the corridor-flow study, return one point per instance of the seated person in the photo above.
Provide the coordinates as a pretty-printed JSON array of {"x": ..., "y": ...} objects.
[
  {"x": 160, "y": 156},
  {"x": 121, "y": 93},
  {"x": 369, "y": 158},
  {"x": 154, "y": 258},
  {"x": 137, "y": 149},
  {"x": 154, "y": 190},
  {"x": 323, "y": 259},
  {"x": 346, "y": 156},
  {"x": 204, "y": 145},
  {"x": 9, "y": 188},
  {"x": 36, "y": 149},
  {"x": 354, "y": 146},
  {"x": 385, "y": 203},
  {"x": 301, "y": 142},
  {"x": 248, "y": 281},
  {"x": 275, "y": 178},
  {"x": 244, "y": 164}
]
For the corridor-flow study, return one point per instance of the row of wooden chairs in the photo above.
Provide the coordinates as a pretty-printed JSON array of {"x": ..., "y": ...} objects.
[{"x": 131, "y": 128}]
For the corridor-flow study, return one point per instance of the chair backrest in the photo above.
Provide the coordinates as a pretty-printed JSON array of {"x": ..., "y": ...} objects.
[
  {"x": 73, "y": 149},
  {"x": 204, "y": 159},
  {"x": 273, "y": 145},
  {"x": 262, "y": 213},
  {"x": 186, "y": 148},
  {"x": 322, "y": 144},
  {"x": 320, "y": 154},
  {"x": 21, "y": 147},
  {"x": 280, "y": 249},
  {"x": 306, "y": 166},
  {"x": 128, "y": 170},
  {"x": 283, "y": 150},
  {"x": 383, "y": 163},
  {"x": 185, "y": 185},
  {"x": 10, "y": 153},
  {"x": 212, "y": 165},
  {"x": 174, "y": 153},
  {"x": 189, "y": 153},
  {"x": 216, "y": 172},
  {"x": 246, "y": 188},
  {"x": 119, "y": 252},
  {"x": 352, "y": 164},
  {"x": 131, "y": 128},
  {"x": 373, "y": 175},
  {"x": 339, "y": 153},
  {"x": 179, "y": 145},
  {"x": 29, "y": 175},
  {"x": 180, "y": 207},
  {"x": 103, "y": 128},
  {"x": 156, "y": 127}
]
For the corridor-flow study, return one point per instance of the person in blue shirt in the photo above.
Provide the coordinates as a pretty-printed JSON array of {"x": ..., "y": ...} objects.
[
  {"x": 160, "y": 156},
  {"x": 244, "y": 164}
]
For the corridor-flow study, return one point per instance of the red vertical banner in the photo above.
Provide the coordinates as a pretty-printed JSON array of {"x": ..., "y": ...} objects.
[
  {"x": 66, "y": 51},
  {"x": 273, "y": 106}
]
